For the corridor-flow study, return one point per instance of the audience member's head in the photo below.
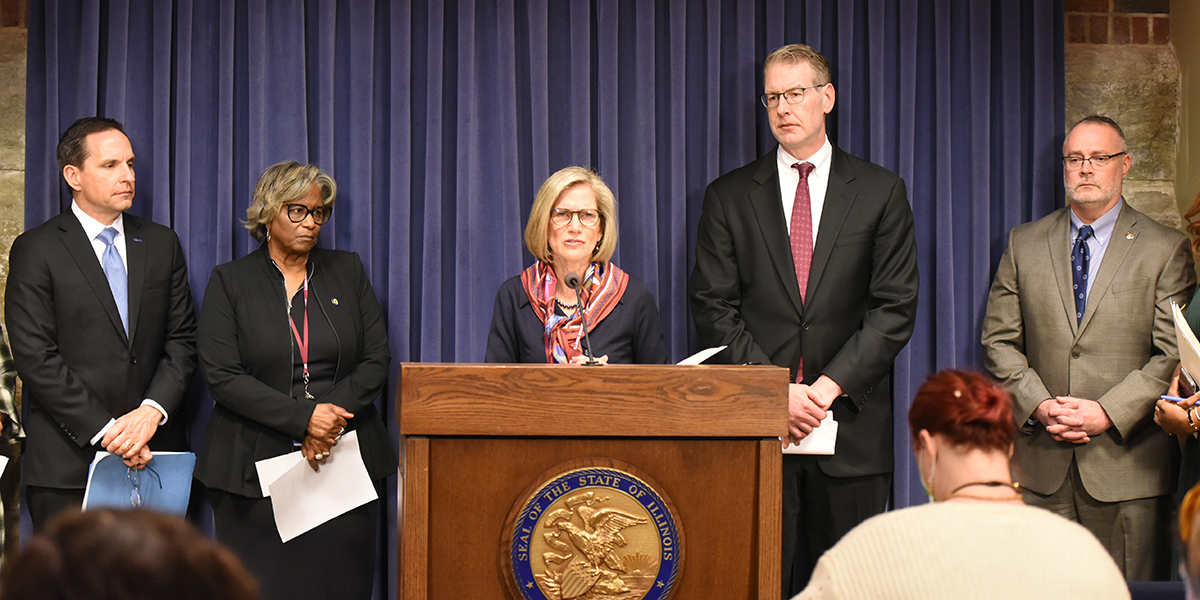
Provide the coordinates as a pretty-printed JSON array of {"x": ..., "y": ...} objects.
[
  {"x": 966, "y": 409},
  {"x": 124, "y": 555}
]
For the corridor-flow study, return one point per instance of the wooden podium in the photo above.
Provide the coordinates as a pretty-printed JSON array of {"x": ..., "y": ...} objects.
[{"x": 476, "y": 437}]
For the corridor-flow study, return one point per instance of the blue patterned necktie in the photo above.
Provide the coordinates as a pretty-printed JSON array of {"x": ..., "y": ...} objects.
[
  {"x": 114, "y": 270},
  {"x": 1079, "y": 270}
]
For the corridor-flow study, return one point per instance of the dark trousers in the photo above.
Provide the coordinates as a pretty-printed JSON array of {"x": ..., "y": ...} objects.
[
  {"x": 818, "y": 510},
  {"x": 44, "y": 503},
  {"x": 334, "y": 560}
]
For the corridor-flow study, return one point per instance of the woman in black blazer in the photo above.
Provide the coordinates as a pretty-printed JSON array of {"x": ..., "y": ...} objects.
[
  {"x": 572, "y": 229},
  {"x": 294, "y": 348}
]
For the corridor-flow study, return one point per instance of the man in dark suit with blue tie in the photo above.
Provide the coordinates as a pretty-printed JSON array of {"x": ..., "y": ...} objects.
[
  {"x": 806, "y": 258},
  {"x": 102, "y": 325}
]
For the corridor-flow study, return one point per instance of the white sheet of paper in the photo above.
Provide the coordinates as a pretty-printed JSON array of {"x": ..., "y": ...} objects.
[
  {"x": 269, "y": 469},
  {"x": 303, "y": 499},
  {"x": 701, "y": 356},
  {"x": 1189, "y": 347},
  {"x": 822, "y": 440}
]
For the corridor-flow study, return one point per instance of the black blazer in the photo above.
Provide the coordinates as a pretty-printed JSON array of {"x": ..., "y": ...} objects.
[
  {"x": 630, "y": 334},
  {"x": 862, "y": 292},
  {"x": 245, "y": 343},
  {"x": 78, "y": 366}
]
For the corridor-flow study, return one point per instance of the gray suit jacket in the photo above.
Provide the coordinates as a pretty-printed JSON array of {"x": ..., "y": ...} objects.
[{"x": 1122, "y": 354}]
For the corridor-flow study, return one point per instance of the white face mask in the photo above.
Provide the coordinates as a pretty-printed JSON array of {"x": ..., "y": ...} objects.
[
  {"x": 927, "y": 482},
  {"x": 1187, "y": 580}
]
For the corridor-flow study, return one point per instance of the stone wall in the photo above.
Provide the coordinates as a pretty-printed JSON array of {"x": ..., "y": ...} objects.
[
  {"x": 1119, "y": 63},
  {"x": 13, "y": 44},
  {"x": 1185, "y": 15},
  {"x": 12, "y": 141}
]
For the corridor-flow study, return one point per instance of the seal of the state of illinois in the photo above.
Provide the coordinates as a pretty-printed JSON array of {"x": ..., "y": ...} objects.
[{"x": 595, "y": 533}]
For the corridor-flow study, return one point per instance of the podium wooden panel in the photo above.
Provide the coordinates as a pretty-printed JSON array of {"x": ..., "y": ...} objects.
[{"x": 475, "y": 437}]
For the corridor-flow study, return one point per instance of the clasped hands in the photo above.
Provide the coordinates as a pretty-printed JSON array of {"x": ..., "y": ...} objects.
[
  {"x": 808, "y": 405},
  {"x": 325, "y": 428},
  {"x": 1070, "y": 419},
  {"x": 129, "y": 437},
  {"x": 1173, "y": 416}
]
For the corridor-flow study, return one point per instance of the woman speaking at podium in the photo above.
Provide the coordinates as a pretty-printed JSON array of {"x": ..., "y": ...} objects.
[{"x": 540, "y": 314}]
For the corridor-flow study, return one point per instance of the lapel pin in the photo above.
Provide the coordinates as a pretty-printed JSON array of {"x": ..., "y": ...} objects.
[
  {"x": 1129, "y": 236},
  {"x": 137, "y": 239},
  {"x": 334, "y": 301}
]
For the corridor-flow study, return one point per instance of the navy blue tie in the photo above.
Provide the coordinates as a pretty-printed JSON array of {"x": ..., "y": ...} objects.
[{"x": 1079, "y": 270}]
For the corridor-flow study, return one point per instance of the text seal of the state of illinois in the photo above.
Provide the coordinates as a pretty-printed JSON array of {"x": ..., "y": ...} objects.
[{"x": 595, "y": 533}]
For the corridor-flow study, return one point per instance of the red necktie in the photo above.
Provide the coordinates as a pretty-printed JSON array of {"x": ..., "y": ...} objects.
[
  {"x": 801, "y": 234},
  {"x": 801, "y": 238}
]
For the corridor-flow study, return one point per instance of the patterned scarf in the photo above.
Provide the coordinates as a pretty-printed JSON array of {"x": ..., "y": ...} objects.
[{"x": 601, "y": 288}]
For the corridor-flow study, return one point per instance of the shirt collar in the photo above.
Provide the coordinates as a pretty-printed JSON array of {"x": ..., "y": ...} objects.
[
  {"x": 92, "y": 227},
  {"x": 819, "y": 160},
  {"x": 1103, "y": 227}
]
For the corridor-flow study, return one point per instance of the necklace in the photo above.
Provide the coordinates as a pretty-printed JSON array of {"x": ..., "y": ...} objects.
[
  {"x": 566, "y": 306},
  {"x": 1016, "y": 487}
]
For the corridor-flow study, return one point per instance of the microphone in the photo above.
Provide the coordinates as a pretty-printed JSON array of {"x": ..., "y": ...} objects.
[{"x": 572, "y": 281}]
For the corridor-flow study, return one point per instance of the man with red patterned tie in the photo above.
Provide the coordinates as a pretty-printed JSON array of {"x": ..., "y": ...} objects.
[{"x": 806, "y": 258}]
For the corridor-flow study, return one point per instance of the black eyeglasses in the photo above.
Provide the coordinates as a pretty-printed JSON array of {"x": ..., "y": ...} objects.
[
  {"x": 588, "y": 217},
  {"x": 298, "y": 212},
  {"x": 136, "y": 496},
  {"x": 1099, "y": 161}
]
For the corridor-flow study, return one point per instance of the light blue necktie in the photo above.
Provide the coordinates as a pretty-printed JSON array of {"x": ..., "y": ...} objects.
[{"x": 114, "y": 270}]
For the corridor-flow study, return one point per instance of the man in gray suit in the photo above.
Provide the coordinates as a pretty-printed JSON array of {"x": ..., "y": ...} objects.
[{"x": 1078, "y": 328}]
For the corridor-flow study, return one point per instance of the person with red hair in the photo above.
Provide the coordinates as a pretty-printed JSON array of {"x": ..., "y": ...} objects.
[{"x": 977, "y": 538}]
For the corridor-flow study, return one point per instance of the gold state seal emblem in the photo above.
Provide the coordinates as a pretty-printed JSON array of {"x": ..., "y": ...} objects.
[{"x": 595, "y": 533}]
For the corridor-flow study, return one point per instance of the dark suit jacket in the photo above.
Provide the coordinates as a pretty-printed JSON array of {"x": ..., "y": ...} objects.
[
  {"x": 245, "y": 342},
  {"x": 630, "y": 334},
  {"x": 78, "y": 366},
  {"x": 862, "y": 292}
]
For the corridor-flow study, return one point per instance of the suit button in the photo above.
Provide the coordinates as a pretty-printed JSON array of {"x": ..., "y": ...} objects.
[
  {"x": 1075, "y": 354},
  {"x": 804, "y": 326},
  {"x": 133, "y": 360}
]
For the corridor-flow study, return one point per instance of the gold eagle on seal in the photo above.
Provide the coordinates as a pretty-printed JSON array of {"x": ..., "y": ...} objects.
[{"x": 582, "y": 559}]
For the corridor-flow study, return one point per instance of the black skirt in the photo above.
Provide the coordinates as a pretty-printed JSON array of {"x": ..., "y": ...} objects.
[{"x": 333, "y": 560}]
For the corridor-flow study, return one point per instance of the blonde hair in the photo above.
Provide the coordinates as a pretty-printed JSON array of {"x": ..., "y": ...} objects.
[
  {"x": 793, "y": 54},
  {"x": 282, "y": 183},
  {"x": 537, "y": 230}
]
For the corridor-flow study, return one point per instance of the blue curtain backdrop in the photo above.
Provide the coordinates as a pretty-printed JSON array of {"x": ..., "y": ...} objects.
[{"x": 439, "y": 120}]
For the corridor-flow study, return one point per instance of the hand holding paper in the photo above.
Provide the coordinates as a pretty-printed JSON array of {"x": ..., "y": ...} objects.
[{"x": 303, "y": 499}]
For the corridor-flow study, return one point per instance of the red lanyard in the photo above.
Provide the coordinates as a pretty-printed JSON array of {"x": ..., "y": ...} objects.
[{"x": 302, "y": 342}]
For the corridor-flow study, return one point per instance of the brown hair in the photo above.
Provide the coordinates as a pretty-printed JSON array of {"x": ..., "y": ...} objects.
[
  {"x": 1187, "y": 520},
  {"x": 1193, "y": 226},
  {"x": 72, "y": 145},
  {"x": 124, "y": 555},
  {"x": 793, "y": 54},
  {"x": 966, "y": 408}
]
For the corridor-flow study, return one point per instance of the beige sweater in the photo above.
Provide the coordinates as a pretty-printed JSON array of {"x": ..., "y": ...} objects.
[{"x": 959, "y": 550}]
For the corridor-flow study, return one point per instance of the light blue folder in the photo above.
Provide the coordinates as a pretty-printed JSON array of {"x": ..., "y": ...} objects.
[{"x": 164, "y": 485}]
